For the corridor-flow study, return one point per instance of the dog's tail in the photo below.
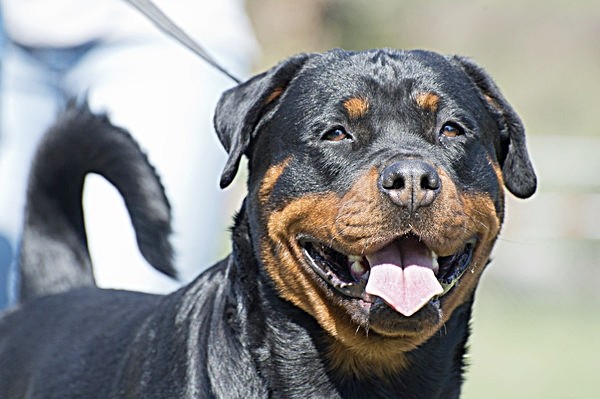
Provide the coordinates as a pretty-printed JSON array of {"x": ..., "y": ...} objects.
[{"x": 54, "y": 253}]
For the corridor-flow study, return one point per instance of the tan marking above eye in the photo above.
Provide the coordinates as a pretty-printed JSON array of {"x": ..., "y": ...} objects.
[
  {"x": 356, "y": 107},
  {"x": 428, "y": 101}
]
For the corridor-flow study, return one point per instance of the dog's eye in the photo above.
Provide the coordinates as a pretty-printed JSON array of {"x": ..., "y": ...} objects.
[
  {"x": 451, "y": 129},
  {"x": 338, "y": 133}
]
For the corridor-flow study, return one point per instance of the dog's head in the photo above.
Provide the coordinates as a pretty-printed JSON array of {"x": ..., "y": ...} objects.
[{"x": 376, "y": 188}]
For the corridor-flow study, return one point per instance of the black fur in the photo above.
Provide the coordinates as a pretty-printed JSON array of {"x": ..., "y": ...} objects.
[
  {"x": 81, "y": 143},
  {"x": 231, "y": 333}
]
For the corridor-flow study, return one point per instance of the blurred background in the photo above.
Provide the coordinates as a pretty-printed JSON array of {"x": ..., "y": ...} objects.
[{"x": 536, "y": 329}]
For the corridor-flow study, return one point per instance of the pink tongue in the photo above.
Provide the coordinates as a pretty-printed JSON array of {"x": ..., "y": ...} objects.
[{"x": 402, "y": 275}]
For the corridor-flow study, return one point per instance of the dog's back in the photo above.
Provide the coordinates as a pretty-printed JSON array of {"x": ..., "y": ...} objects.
[
  {"x": 59, "y": 337},
  {"x": 54, "y": 253}
]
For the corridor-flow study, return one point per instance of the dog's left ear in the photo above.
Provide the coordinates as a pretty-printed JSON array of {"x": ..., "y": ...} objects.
[
  {"x": 518, "y": 173},
  {"x": 241, "y": 109}
]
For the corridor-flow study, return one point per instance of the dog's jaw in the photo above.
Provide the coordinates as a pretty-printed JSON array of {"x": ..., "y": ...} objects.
[{"x": 364, "y": 324}]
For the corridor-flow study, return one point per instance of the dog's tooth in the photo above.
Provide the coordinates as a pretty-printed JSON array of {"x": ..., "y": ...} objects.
[
  {"x": 434, "y": 264},
  {"x": 357, "y": 269},
  {"x": 354, "y": 258}
]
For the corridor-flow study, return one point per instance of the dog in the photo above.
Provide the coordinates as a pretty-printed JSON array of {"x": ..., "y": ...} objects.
[{"x": 375, "y": 195}]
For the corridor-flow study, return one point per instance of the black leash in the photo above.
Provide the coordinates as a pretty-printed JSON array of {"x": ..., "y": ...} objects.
[{"x": 164, "y": 23}]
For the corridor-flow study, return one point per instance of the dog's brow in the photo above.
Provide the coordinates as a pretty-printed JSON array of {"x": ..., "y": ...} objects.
[
  {"x": 428, "y": 101},
  {"x": 356, "y": 107}
]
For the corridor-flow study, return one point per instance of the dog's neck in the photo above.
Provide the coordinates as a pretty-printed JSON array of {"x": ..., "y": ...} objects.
[{"x": 287, "y": 342}]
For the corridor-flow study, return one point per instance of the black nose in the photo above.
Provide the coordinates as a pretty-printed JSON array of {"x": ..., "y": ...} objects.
[{"x": 410, "y": 183}]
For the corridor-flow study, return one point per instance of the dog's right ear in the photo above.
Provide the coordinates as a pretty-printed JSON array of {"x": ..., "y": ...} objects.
[{"x": 241, "y": 108}]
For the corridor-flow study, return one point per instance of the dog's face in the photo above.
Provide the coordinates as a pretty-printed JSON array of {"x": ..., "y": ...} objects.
[{"x": 376, "y": 188}]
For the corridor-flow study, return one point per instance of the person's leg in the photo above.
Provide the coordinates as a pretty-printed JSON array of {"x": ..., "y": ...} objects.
[
  {"x": 165, "y": 97},
  {"x": 28, "y": 105}
]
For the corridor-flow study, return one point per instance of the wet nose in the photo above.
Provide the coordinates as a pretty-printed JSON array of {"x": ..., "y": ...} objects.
[{"x": 410, "y": 183}]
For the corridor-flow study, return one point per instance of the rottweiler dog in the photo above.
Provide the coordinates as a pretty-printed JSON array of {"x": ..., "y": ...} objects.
[{"x": 375, "y": 195}]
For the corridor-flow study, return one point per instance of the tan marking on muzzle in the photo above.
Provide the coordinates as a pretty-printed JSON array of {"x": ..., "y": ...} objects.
[
  {"x": 269, "y": 180},
  {"x": 354, "y": 221}
]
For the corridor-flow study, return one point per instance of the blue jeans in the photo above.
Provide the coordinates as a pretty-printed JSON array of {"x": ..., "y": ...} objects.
[{"x": 6, "y": 258}]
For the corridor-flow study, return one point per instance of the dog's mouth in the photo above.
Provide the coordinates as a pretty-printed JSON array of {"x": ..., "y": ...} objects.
[{"x": 405, "y": 273}]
